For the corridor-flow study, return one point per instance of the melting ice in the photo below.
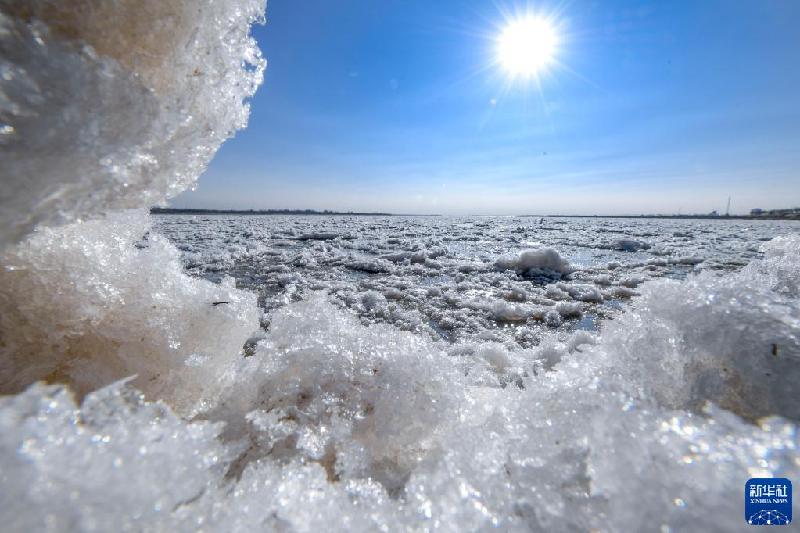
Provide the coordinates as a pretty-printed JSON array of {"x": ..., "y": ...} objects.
[{"x": 329, "y": 373}]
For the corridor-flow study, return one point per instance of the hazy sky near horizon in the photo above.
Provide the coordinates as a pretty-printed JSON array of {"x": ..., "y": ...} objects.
[{"x": 400, "y": 106}]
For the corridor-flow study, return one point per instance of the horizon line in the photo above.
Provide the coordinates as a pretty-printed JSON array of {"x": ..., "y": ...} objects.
[{"x": 775, "y": 214}]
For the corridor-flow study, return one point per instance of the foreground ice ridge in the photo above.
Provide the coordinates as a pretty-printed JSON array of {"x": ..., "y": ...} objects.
[
  {"x": 82, "y": 305},
  {"x": 335, "y": 425},
  {"x": 107, "y": 105}
]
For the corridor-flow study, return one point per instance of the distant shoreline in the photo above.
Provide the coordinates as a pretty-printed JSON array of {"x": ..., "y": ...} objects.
[
  {"x": 312, "y": 212},
  {"x": 255, "y": 212},
  {"x": 676, "y": 217}
]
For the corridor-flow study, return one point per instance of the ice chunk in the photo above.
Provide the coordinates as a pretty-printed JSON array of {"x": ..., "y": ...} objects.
[
  {"x": 542, "y": 261},
  {"x": 732, "y": 340},
  {"x": 116, "y": 464},
  {"x": 496, "y": 355},
  {"x": 603, "y": 280},
  {"x": 503, "y": 311},
  {"x": 373, "y": 300},
  {"x": 369, "y": 401},
  {"x": 371, "y": 266},
  {"x": 569, "y": 309},
  {"x": 107, "y": 106},
  {"x": 630, "y": 245},
  {"x": 779, "y": 270},
  {"x": 83, "y": 304},
  {"x": 582, "y": 292},
  {"x": 116, "y": 105},
  {"x": 317, "y": 236},
  {"x": 553, "y": 318}
]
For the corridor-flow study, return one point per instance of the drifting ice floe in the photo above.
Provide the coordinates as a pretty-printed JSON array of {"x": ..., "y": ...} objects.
[
  {"x": 544, "y": 261},
  {"x": 403, "y": 378}
]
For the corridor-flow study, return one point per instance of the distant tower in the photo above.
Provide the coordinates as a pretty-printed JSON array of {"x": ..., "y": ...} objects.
[{"x": 728, "y": 210}]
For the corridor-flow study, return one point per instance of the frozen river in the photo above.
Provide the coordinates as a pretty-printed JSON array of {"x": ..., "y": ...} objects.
[{"x": 463, "y": 278}]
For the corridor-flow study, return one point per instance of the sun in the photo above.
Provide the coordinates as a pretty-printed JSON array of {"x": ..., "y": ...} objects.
[{"x": 527, "y": 45}]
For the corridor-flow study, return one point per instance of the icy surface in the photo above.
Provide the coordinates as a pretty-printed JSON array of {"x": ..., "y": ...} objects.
[
  {"x": 107, "y": 105},
  {"x": 460, "y": 279},
  {"x": 333, "y": 424},
  {"x": 121, "y": 310},
  {"x": 342, "y": 373}
]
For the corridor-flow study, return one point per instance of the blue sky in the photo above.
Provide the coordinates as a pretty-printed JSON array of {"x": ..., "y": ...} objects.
[{"x": 399, "y": 106}]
